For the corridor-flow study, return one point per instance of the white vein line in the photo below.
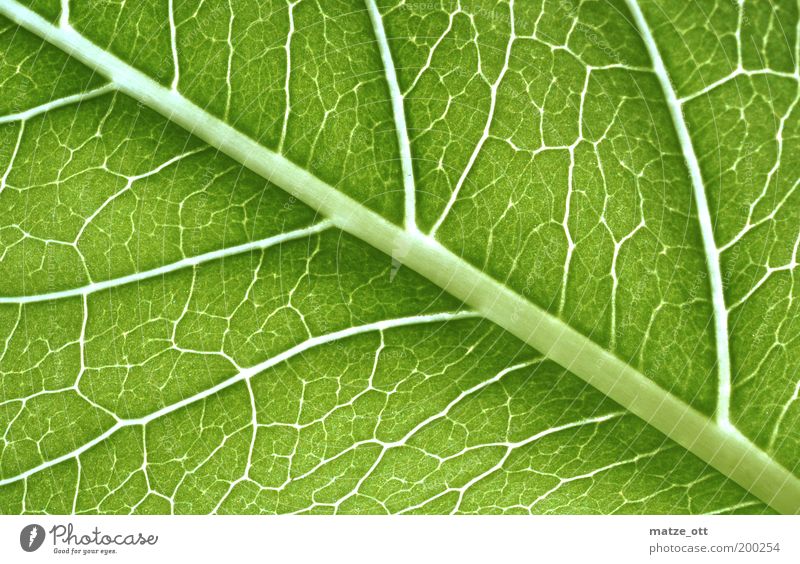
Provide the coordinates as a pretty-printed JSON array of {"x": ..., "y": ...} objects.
[
  {"x": 433, "y": 50},
  {"x": 172, "y": 267},
  {"x": 784, "y": 410},
  {"x": 246, "y": 374},
  {"x": 13, "y": 158},
  {"x": 173, "y": 42},
  {"x": 739, "y": 18},
  {"x": 734, "y": 507},
  {"x": 386, "y": 446},
  {"x": 288, "y": 48},
  {"x": 228, "y": 73},
  {"x": 486, "y": 129},
  {"x": 310, "y": 343},
  {"x": 724, "y": 448},
  {"x": 511, "y": 447},
  {"x": 57, "y": 103},
  {"x": 737, "y": 73},
  {"x": 562, "y": 300},
  {"x": 458, "y": 399},
  {"x": 63, "y": 19},
  {"x": 703, "y": 216},
  {"x": 399, "y": 112},
  {"x": 128, "y": 185},
  {"x": 592, "y": 473},
  {"x": 750, "y": 224}
]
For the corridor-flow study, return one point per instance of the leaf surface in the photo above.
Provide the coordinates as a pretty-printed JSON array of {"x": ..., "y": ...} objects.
[{"x": 365, "y": 257}]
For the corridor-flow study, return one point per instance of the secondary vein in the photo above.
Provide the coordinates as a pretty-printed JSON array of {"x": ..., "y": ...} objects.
[
  {"x": 172, "y": 267},
  {"x": 703, "y": 217},
  {"x": 245, "y": 374},
  {"x": 398, "y": 109}
]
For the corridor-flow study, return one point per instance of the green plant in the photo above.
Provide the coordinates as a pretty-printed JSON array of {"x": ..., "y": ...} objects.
[{"x": 319, "y": 257}]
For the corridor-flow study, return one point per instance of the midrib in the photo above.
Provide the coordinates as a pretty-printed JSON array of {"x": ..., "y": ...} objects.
[{"x": 723, "y": 448}]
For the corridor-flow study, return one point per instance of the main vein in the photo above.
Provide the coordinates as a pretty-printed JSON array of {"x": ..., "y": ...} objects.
[
  {"x": 703, "y": 216},
  {"x": 722, "y": 447}
]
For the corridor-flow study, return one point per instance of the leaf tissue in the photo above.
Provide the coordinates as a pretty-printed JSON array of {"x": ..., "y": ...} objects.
[{"x": 399, "y": 256}]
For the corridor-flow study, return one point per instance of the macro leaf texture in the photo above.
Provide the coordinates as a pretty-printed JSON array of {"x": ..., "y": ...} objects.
[{"x": 415, "y": 256}]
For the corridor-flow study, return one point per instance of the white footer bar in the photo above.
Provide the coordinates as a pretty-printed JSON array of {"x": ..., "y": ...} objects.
[{"x": 356, "y": 540}]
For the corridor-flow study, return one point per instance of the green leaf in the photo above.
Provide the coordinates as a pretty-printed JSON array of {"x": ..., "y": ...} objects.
[{"x": 399, "y": 257}]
